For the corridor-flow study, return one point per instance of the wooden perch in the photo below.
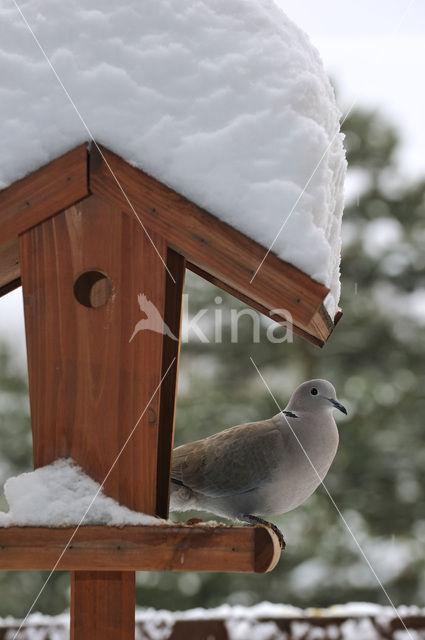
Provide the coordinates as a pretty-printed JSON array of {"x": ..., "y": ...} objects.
[
  {"x": 225, "y": 256},
  {"x": 140, "y": 548}
]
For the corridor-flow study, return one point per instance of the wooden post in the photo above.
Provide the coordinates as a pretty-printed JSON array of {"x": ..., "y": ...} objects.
[
  {"x": 102, "y": 598},
  {"x": 82, "y": 272},
  {"x": 170, "y": 358}
]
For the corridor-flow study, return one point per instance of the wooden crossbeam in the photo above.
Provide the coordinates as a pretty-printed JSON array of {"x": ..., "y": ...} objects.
[
  {"x": 35, "y": 198},
  {"x": 43, "y": 193},
  {"x": 219, "y": 252},
  {"x": 147, "y": 548},
  {"x": 318, "y": 331},
  {"x": 10, "y": 271},
  {"x": 225, "y": 255}
]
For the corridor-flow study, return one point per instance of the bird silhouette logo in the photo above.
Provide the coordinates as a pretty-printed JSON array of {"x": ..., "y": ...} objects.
[{"x": 153, "y": 320}]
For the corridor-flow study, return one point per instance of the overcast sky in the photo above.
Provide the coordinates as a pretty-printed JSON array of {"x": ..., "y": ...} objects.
[{"x": 375, "y": 52}]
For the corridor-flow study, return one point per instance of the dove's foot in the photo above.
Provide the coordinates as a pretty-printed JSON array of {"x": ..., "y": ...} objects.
[{"x": 269, "y": 525}]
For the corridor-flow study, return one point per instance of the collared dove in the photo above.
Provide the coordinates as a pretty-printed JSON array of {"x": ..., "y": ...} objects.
[{"x": 260, "y": 468}]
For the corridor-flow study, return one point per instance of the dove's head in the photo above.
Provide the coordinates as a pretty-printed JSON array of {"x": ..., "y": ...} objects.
[{"x": 315, "y": 395}]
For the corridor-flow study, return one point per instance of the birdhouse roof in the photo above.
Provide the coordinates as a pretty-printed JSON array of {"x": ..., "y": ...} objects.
[{"x": 225, "y": 104}]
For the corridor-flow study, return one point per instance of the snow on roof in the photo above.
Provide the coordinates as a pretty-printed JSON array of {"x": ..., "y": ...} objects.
[
  {"x": 227, "y": 102},
  {"x": 60, "y": 495}
]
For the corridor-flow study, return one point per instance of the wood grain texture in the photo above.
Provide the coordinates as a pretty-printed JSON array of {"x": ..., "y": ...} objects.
[
  {"x": 11, "y": 286},
  {"x": 319, "y": 328},
  {"x": 198, "y": 630},
  {"x": 43, "y": 193},
  {"x": 321, "y": 325},
  {"x": 168, "y": 394},
  {"x": 94, "y": 394},
  {"x": 10, "y": 270},
  {"x": 148, "y": 548},
  {"x": 112, "y": 601},
  {"x": 89, "y": 386},
  {"x": 210, "y": 244}
]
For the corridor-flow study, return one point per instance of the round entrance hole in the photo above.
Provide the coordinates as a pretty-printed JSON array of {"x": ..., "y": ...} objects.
[{"x": 93, "y": 289}]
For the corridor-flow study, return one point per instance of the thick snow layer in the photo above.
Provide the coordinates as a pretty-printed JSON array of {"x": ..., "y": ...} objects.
[
  {"x": 226, "y": 101},
  {"x": 60, "y": 495}
]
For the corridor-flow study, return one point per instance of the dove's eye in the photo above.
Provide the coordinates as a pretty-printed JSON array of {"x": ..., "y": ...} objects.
[{"x": 314, "y": 391}]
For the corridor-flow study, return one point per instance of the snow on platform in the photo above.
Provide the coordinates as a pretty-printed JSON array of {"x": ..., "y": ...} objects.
[
  {"x": 61, "y": 495},
  {"x": 227, "y": 102}
]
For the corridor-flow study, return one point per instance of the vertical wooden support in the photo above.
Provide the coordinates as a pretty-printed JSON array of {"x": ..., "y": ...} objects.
[
  {"x": 176, "y": 265},
  {"x": 106, "y": 596},
  {"x": 89, "y": 385},
  {"x": 82, "y": 273}
]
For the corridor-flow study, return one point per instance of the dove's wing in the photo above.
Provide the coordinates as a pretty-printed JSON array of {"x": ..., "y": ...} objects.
[{"x": 231, "y": 462}]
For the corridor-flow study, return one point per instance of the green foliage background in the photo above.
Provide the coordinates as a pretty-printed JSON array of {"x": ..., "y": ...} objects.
[{"x": 376, "y": 361}]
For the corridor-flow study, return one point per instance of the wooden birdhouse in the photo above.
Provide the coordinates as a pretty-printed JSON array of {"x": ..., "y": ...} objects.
[{"x": 85, "y": 235}]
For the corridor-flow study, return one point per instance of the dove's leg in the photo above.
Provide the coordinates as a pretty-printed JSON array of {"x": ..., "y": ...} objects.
[{"x": 270, "y": 525}]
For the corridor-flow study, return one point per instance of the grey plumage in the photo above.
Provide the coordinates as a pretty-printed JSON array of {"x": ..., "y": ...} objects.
[{"x": 260, "y": 468}]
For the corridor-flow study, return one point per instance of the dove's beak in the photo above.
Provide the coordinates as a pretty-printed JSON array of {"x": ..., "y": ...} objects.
[{"x": 338, "y": 405}]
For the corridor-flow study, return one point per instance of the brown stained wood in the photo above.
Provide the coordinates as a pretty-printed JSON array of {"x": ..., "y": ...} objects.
[
  {"x": 262, "y": 309},
  {"x": 321, "y": 324},
  {"x": 10, "y": 271},
  {"x": 170, "y": 358},
  {"x": 318, "y": 331},
  {"x": 112, "y": 600},
  {"x": 94, "y": 381},
  {"x": 148, "y": 548},
  {"x": 90, "y": 386},
  {"x": 210, "y": 244},
  {"x": 266, "y": 554},
  {"x": 7, "y": 288},
  {"x": 198, "y": 630},
  {"x": 43, "y": 193}
]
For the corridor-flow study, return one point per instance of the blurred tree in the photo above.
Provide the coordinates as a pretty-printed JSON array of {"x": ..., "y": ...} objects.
[
  {"x": 17, "y": 588},
  {"x": 375, "y": 359}
]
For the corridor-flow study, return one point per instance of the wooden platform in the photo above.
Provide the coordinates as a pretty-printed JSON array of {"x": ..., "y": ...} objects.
[{"x": 141, "y": 548}]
